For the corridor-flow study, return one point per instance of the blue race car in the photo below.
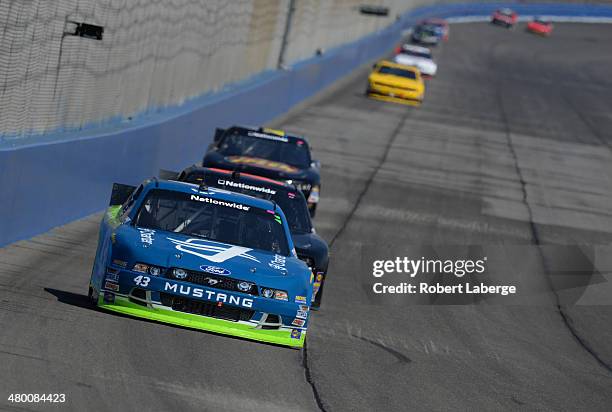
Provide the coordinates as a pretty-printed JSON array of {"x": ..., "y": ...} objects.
[
  {"x": 310, "y": 247},
  {"x": 203, "y": 258}
]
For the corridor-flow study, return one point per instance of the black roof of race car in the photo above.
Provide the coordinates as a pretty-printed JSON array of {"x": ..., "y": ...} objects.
[
  {"x": 267, "y": 133},
  {"x": 242, "y": 176}
]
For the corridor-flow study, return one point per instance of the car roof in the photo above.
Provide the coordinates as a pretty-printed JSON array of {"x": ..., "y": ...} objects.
[
  {"x": 189, "y": 188},
  {"x": 244, "y": 177},
  {"x": 264, "y": 132},
  {"x": 419, "y": 49},
  {"x": 388, "y": 63}
]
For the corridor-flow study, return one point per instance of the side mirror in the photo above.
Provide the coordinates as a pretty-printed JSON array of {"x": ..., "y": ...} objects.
[
  {"x": 120, "y": 194},
  {"x": 218, "y": 134},
  {"x": 374, "y": 66},
  {"x": 316, "y": 164}
]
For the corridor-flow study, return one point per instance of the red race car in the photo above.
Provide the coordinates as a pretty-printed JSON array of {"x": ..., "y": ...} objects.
[
  {"x": 540, "y": 26},
  {"x": 504, "y": 17}
]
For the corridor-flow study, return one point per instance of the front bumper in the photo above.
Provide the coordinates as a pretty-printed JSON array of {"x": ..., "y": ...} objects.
[
  {"x": 249, "y": 317},
  {"x": 536, "y": 30},
  {"x": 390, "y": 94}
]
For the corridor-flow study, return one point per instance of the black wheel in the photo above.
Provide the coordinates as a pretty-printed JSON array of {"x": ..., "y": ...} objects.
[
  {"x": 91, "y": 299},
  {"x": 312, "y": 208},
  {"x": 317, "y": 302}
]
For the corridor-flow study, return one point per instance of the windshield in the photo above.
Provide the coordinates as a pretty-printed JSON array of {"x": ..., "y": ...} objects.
[
  {"x": 397, "y": 72},
  {"x": 416, "y": 54},
  {"x": 293, "y": 204},
  {"x": 222, "y": 221},
  {"x": 292, "y": 153},
  {"x": 426, "y": 31}
]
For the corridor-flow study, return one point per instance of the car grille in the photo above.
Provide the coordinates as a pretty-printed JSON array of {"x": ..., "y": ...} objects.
[
  {"x": 203, "y": 308},
  {"x": 215, "y": 282},
  {"x": 393, "y": 86},
  {"x": 139, "y": 294}
]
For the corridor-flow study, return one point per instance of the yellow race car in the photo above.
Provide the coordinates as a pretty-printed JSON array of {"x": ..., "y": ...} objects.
[{"x": 396, "y": 83}]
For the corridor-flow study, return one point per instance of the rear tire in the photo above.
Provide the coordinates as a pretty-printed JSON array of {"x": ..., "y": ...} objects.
[{"x": 317, "y": 302}]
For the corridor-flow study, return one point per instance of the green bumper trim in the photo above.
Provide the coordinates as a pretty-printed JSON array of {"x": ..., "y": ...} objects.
[{"x": 226, "y": 327}]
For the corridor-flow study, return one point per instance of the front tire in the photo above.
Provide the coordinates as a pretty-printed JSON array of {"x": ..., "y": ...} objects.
[
  {"x": 312, "y": 208},
  {"x": 92, "y": 298}
]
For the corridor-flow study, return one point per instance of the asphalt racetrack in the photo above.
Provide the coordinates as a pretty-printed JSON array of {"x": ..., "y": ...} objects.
[{"x": 513, "y": 146}]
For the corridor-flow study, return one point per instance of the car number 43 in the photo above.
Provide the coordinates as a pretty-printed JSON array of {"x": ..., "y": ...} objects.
[{"x": 142, "y": 280}]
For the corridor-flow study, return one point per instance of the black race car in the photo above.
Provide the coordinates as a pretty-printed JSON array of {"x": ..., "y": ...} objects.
[
  {"x": 309, "y": 246},
  {"x": 269, "y": 153}
]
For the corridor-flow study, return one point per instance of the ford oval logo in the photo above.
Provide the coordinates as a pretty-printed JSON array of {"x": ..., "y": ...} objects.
[{"x": 214, "y": 270}]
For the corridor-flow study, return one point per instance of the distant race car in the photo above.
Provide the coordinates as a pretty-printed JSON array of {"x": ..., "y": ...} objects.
[
  {"x": 427, "y": 34},
  {"x": 310, "y": 247},
  {"x": 397, "y": 83},
  {"x": 540, "y": 26},
  {"x": 441, "y": 24},
  {"x": 504, "y": 17},
  {"x": 269, "y": 153},
  {"x": 203, "y": 258},
  {"x": 417, "y": 56}
]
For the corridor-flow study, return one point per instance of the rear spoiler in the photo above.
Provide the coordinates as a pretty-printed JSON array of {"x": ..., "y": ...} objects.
[
  {"x": 168, "y": 174},
  {"x": 120, "y": 194},
  {"x": 218, "y": 134}
]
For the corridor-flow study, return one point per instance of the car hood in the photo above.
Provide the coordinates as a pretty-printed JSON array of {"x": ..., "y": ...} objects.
[
  {"x": 396, "y": 81},
  {"x": 170, "y": 250},
  {"x": 258, "y": 166}
]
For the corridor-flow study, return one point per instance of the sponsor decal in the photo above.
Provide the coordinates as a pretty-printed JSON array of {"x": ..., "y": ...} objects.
[
  {"x": 180, "y": 274},
  {"x": 113, "y": 277},
  {"x": 269, "y": 136},
  {"x": 211, "y": 295},
  {"x": 274, "y": 131},
  {"x": 219, "y": 252},
  {"x": 111, "y": 286},
  {"x": 296, "y": 333},
  {"x": 298, "y": 322},
  {"x": 215, "y": 270},
  {"x": 202, "y": 192},
  {"x": 304, "y": 308},
  {"x": 301, "y": 314},
  {"x": 244, "y": 286},
  {"x": 291, "y": 195},
  {"x": 278, "y": 263},
  {"x": 245, "y": 186},
  {"x": 277, "y": 219},
  {"x": 109, "y": 297},
  {"x": 300, "y": 299},
  {"x": 146, "y": 236},
  {"x": 212, "y": 201},
  {"x": 267, "y": 164}
]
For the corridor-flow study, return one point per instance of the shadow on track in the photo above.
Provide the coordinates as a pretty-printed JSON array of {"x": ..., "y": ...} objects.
[{"x": 82, "y": 301}]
